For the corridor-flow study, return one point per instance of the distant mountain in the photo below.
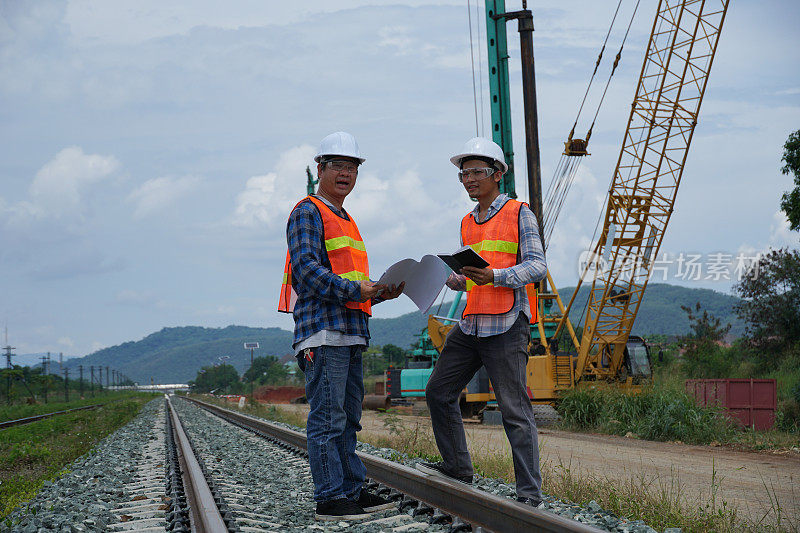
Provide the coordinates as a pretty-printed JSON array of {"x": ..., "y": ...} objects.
[
  {"x": 174, "y": 355},
  {"x": 660, "y": 311}
]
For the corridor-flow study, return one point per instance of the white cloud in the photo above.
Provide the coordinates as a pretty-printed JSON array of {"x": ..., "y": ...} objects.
[
  {"x": 267, "y": 199},
  {"x": 66, "y": 341},
  {"x": 779, "y": 233},
  {"x": 158, "y": 193},
  {"x": 97, "y": 346},
  {"x": 58, "y": 186},
  {"x": 53, "y": 217}
]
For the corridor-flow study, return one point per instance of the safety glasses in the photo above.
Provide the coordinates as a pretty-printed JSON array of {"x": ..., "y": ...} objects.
[{"x": 475, "y": 174}]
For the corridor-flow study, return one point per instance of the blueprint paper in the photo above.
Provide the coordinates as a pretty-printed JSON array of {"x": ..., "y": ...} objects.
[{"x": 424, "y": 279}]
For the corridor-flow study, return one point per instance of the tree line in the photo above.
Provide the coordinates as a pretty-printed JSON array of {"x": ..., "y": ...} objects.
[{"x": 269, "y": 371}]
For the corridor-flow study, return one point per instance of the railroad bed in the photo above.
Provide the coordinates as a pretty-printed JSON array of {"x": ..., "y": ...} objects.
[{"x": 138, "y": 479}]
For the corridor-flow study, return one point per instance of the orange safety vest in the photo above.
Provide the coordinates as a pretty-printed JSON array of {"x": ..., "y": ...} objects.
[
  {"x": 497, "y": 241},
  {"x": 346, "y": 252}
]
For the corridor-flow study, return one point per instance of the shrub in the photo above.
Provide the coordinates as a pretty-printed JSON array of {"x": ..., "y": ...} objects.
[
  {"x": 787, "y": 416},
  {"x": 655, "y": 413}
]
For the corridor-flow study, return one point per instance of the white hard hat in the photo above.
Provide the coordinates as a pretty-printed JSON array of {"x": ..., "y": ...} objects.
[
  {"x": 481, "y": 148},
  {"x": 339, "y": 143}
]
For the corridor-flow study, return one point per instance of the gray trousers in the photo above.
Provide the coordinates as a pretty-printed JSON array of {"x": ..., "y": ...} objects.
[{"x": 505, "y": 357}]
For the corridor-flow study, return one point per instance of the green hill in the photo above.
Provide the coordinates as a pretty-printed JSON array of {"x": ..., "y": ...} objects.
[
  {"x": 660, "y": 311},
  {"x": 174, "y": 355}
]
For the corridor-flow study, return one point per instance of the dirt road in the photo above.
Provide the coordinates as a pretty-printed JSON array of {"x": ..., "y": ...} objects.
[{"x": 755, "y": 484}]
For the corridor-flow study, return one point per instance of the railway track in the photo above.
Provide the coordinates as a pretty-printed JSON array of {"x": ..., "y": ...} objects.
[
  {"x": 190, "y": 466},
  {"x": 36, "y": 418},
  {"x": 432, "y": 499}
]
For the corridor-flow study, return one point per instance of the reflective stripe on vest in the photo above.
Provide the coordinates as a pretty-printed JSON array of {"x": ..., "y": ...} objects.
[
  {"x": 497, "y": 241},
  {"x": 346, "y": 253}
]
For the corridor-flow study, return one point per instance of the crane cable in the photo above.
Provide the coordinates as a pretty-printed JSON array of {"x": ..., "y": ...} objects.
[
  {"x": 596, "y": 64},
  {"x": 480, "y": 66},
  {"x": 472, "y": 62},
  {"x": 613, "y": 69},
  {"x": 582, "y": 315},
  {"x": 568, "y": 165}
]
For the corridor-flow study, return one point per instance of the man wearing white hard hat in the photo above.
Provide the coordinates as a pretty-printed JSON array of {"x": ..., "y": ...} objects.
[
  {"x": 494, "y": 330},
  {"x": 326, "y": 287}
]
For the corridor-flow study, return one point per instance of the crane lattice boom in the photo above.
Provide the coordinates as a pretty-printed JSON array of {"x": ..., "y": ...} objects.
[{"x": 641, "y": 197}]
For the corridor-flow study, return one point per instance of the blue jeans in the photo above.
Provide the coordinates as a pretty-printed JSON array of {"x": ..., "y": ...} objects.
[{"x": 335, "y": 390}]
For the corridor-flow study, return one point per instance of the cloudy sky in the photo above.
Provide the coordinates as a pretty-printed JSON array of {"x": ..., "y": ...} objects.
[{"x": 150, "y": 151}]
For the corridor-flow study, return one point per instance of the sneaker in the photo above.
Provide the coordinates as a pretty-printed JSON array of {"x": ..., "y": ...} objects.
[
  {"x": 372, "y": 503},
  {"x": 340, "y": 509},
  {"x": 533, "y": 502},
  {"x": 438, "y": 469}
]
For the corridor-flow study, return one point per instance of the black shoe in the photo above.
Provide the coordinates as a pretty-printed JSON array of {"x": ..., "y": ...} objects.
[
  {"x": 372, "y": 503},
  {"x": 438, "y": 469},
  {"x": 533, "y": 502},
  {"x": 340, "y": 509}
]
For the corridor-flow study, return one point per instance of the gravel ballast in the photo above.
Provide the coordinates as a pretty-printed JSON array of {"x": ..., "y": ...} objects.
[
  {"x": 96, "y": 484},
  {"x": 592, "y": 514},
  {"x": 263, "y": 485}
]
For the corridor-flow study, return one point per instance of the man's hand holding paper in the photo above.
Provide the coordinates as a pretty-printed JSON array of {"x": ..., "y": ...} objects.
[{"x": 421, "y": 280}]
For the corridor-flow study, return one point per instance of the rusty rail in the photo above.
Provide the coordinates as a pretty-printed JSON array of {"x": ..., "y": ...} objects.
[
  {"x": 36, "y": 418},
  {"x": 204, "y": 515},
  {"x": 472, "y": 505}
]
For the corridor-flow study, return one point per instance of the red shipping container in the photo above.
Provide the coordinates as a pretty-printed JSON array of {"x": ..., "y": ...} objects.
[{"x": 749, "y": 402}]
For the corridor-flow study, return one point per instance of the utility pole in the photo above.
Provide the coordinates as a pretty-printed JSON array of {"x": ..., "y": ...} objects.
[
  {"x": 101, "y": 377},
  {"x": 66, "y": 384},
  {"x": 531, "y": 116},
  {"x": 496, "y": 12},
  {"x": 44, "y": 378},
  {"x": 254, "y": 345},
  {"x": 8, "y": 348},
  {"x": 60, "y": 361},
  {"x": 91, "y": 382},
  {"x": 80, "y": 381}
]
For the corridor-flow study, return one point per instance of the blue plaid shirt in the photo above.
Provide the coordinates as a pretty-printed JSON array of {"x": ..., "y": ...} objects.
[{"x": 321, "y": 294}]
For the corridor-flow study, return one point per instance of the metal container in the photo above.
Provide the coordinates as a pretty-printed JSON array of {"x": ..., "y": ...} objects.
[
  {"x": 376, "y": 402},
  {"x": 748, "y": 402}
]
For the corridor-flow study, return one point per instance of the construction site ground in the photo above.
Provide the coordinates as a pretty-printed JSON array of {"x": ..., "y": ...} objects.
[{"x": 756, "y": 484}]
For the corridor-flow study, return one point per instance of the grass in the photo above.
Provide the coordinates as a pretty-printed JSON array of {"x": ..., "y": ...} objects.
[
  {"x": 645, "y": 497},
  {"x": 269, "y": 412},
  {"x": 35, "y": 453},
  {"x": 13, "y": 412},
  {"x": 662, "y": 412},
  {"x": 656, "y": 499}
]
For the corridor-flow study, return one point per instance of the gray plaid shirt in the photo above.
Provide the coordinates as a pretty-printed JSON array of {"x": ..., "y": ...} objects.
[{"x": 531, "y": 268}]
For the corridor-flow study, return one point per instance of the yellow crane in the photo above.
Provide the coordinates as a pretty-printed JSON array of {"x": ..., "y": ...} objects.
[
  {"x": 639, "y": 204},
  {"x": 640, "y": 201},
  {"x": 641, "y": 198}
]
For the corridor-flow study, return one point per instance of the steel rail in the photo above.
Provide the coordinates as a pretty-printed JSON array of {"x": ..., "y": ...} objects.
[
  {"x": 29, "y": 419},
  {"x": 474, "y": 506},
  {"x": 204, "y": 513}
]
